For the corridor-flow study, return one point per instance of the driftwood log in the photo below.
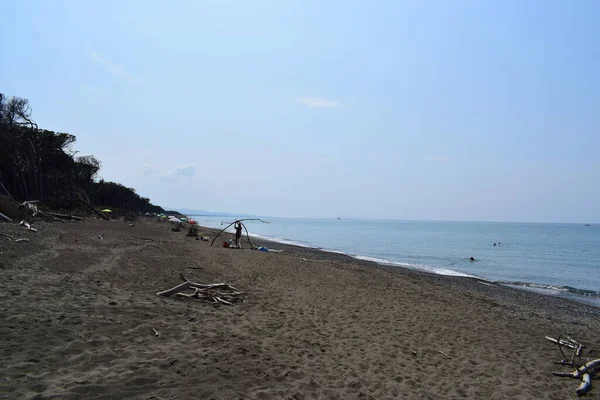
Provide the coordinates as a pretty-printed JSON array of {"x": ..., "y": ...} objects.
[
  {"x": 586, "y": 384},
  {"x": 5, "y": 218},
  {"x": 6, "y": 235},
  {"x": 26, "y": 225},
  {"x": 218, "y": 293},
  {"x": 584, "y": 371},
  {"x": 64, "y": 216},
  {"x": 93, "y": 209}
]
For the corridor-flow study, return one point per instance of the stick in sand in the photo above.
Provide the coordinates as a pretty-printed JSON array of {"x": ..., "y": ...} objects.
[{"x": 239, "y": 220}]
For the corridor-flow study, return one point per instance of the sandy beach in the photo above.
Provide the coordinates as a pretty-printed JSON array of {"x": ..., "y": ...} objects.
[{"x": 77, "y": 314}]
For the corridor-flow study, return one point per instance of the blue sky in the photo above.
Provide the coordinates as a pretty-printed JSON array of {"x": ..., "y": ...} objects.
[{"x": 442, "y": 110}]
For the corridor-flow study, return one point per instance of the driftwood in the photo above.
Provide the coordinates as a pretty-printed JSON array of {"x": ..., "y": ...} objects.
[
  {"x": 6, "y": 235},
  {"x": 6, "y": 191},
  {"x": 583, "y": 371},
  {"x": 35, "y": 211},
  {"x": 218, "y": 293},
  {"x": 5, "y": 218},
  {"x": 175, "y": 289},
  {"x": 586, "y": 383},
  {"x": 566, "y": 343},
  {"x": 26, "y": 225},
  {"x": 64, "y": 216},
  {"x": 93, "y": 209},
  {"x": 244, "y": 226}
]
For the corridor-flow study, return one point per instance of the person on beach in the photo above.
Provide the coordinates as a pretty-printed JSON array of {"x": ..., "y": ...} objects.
[{"x": 238, "y": 235}]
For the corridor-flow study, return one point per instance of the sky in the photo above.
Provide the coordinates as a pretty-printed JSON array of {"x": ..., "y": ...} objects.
[{"x": 428, "y": 110}]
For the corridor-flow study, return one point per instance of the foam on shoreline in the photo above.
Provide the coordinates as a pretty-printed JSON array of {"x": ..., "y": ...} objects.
[{"x": 584, "y": 296}]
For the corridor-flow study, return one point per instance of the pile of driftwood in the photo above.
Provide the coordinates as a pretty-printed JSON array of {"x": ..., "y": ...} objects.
[
  {"x": 31, "y": 206},
  {"x": 584, "y": 369},
  {"x": 218, "y": 293}
]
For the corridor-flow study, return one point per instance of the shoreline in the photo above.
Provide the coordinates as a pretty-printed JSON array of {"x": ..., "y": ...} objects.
[
  {"x": 79, "y": 309},
  {"x": 565, "y": 308},
  {"x": 538, "y": 289}
]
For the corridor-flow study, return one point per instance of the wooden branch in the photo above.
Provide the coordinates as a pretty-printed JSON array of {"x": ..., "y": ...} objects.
[
  {"x": 248, "y": 237},
  {"x": 6, "y": 191},
  {"x": 222, "y": 230},
  {"x": 564, "y": 374},
  {"x": 26, "y": 225},
  {"x": 220, "y": 300},
  {"x": 445, "y": 355},
  {"x": 564, "y": 362},
  {"x": 205, "y": 285},
  {"x": 204, "y": 292},
  {"x": 64, "y": 216},
  {"x": 5, "y": 218},
  {"x": 93, "y": 209},
  {"x": 586, "y": 383},
  {"x": 175, "y": 289},
  {"x": 579, "y": 372},
  {"x": 239, "y": 220},
  {"x": 584, "y": 372},
  {"x": 6, "y": 235},
  {"x": 22, "y": 240},
  {"x": 211, "y": 286},
  {"x": 186, "y": 295},
  {"x": 562, "y": 342},
  {"x": 588, "y": 367}
]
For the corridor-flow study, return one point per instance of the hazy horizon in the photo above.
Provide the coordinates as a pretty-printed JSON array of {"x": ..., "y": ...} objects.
[
  {"x": 439, "y": 111},
  {"x": 195, "y": 212}
]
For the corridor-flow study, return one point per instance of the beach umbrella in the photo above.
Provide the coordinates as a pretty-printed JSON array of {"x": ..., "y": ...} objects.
[
  {"x": 174, "y": 219},
  {"x": 106, "y": 210},
  {"x": 192, "y": 222}
]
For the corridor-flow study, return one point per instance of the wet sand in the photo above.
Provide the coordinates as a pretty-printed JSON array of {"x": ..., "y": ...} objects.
[{"x": 77, "y": 313}]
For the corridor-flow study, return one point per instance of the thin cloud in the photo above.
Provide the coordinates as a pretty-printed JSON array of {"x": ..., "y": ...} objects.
[
  {"x": 181, "y": 171},
  {"x": 149, "y": 170},
  {"x": 310, "y": 101},
  {"x": 116, "y": 69},
  {"x": 440, "y": 159},
  {"x": 185, "y": 170}
]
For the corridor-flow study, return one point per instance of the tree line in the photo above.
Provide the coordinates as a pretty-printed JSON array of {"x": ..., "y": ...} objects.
[{"x": 39, "y": 164}]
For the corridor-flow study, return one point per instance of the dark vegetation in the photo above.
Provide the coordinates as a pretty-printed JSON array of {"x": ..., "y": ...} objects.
[{"x": 38, "y": 164}]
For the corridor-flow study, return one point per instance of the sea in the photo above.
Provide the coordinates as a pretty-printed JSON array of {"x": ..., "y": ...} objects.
[{"x": 554, "y": 259}]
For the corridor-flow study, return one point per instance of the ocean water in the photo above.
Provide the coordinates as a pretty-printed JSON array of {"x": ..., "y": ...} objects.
[{"x": 555, "y": 259}]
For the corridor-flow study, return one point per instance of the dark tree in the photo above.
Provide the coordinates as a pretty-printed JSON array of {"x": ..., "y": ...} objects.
[{"x": 38, "y": 164}]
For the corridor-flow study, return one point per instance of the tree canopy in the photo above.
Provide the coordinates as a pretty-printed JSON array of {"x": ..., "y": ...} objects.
[{"x": 39, "y": 164}]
